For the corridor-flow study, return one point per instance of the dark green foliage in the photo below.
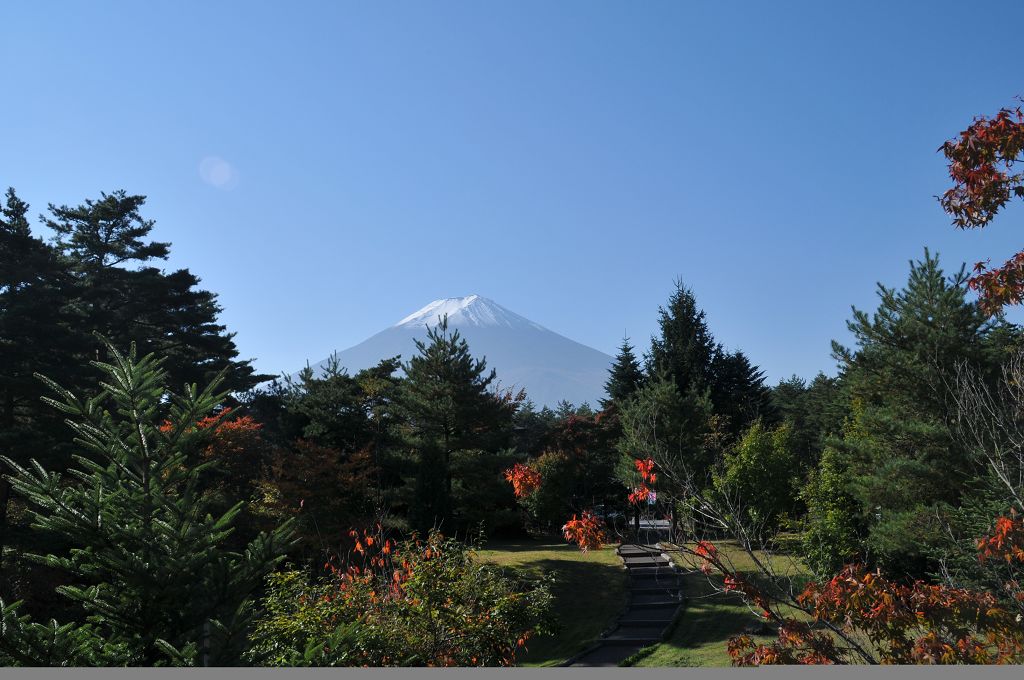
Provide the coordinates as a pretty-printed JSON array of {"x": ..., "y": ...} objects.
[
  {"x": 738, "y": 390},
  {"x": 37, "y": 333},
  {"x": 105, "y": 233},
  {"x": 480, "y": 493},
  {"x": 686, "y": 353},
  {"x": 685, "y": 348},
  {"x": 625, "y": 376},
  {"x": 94, "y": 276},
  {"x": 670, "y": 427},
  {"x": 578, "y": 469},
  {"x": 148, "y": 568},
  {"x": 164, "y": 313},
  {"x": 343, "y": 411},
  {"x": 531, "y": 428},
  {"x": 447, "y": 406},
  {"x": 902, "y": 460},
  {"x": 815, "y": 412}
]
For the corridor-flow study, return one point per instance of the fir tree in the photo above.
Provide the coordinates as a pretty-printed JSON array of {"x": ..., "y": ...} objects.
[
  {"x": 686, "y": 353},
  {"x": 738, "y": 391},
  {"x": 625, "y": 376},
  {"x": 685, "y": 348},
  {"x": 148, "y": 566}
]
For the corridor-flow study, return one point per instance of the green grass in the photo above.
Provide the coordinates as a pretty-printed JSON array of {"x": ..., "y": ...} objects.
[
  {"x": 589, "y": 592},
  {"x": 710, "y": 618}
]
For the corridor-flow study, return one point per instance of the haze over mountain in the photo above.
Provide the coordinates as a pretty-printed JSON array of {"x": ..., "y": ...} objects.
[{"x": 551, "y": 367}]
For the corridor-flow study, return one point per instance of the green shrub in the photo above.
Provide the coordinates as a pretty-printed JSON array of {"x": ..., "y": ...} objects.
[{"x": 415, "y": 603}]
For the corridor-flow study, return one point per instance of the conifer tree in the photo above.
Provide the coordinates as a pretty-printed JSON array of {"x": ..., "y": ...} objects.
[
  {"x": 148, "y": 569},
  {"x": 625, "y": 376},
  {"x": 685, "y": 348},
  {"x": 903, "y": 462},
  {"x": 738, "y": 391},
  {"x": 448, "y": 407},
  {"x": 36, "y": 334},
  {"x": 105, "y": 245}
]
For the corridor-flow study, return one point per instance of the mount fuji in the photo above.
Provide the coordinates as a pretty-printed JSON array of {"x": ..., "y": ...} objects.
[{"x": 549, "y": 366}]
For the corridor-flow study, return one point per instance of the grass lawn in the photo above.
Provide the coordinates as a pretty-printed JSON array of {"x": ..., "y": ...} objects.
[
  {"x": 589, "y": 592},
  {"x": 710, "y": 619}
]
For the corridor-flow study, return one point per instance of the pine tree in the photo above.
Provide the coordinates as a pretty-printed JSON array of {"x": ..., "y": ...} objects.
[
  {"x": 625, "y": 376},
  {"x": 448, "y": 407},
  {"x": 815, "y": 411},
  {"x": 148, "y": 567},
  {"x": 902, "y": 458},
  {"x": 105, "y": 245}
]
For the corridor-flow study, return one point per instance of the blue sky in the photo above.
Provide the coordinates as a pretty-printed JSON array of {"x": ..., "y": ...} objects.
[{"x": 328, "y": 168}]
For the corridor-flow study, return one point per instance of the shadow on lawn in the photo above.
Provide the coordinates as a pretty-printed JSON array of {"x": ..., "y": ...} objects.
[
  {"x": 530, "y": 545},
  {"x": 706, "y": 623},
  {"x": 588, "y": 596}
]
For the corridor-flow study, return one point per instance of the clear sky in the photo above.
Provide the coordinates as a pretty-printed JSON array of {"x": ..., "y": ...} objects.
[{"x": 328, "y": 168}]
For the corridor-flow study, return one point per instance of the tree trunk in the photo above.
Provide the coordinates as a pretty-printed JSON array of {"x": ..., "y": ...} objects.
[{"x": 5, "y": 496}]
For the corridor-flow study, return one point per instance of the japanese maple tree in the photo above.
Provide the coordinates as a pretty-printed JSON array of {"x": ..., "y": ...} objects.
[{"x": 982, "y": 162}]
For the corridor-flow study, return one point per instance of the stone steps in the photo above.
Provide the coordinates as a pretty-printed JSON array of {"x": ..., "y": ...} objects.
[{"x": 654, "y": 599}]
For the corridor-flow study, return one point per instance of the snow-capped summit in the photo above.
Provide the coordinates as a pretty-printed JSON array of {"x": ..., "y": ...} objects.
[
  {"x": 549, "y": 366},
  {"x": 471, "y": 310}
]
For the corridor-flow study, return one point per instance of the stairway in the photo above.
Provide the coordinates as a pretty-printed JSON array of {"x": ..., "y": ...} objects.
[{"x": 654, "y": 599}]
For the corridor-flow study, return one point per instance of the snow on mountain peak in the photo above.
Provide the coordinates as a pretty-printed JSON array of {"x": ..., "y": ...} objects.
[{"x": 471, "y": 310}]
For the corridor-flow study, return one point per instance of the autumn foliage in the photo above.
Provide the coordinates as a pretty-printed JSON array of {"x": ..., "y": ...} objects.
[
  {"x": 586, "y": 531},
  {"x": 916, "y": 623},
  {"x": 642, "y": 492},
  {"x": 981, "y": 165},
  {"x": 420, "y": 602},
  {"x": 1006, "y": 543},
  {"x": 524, "y": 479}
]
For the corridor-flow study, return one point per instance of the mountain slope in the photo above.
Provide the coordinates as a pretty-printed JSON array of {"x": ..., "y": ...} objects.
[{"x": 549, "y": 366}]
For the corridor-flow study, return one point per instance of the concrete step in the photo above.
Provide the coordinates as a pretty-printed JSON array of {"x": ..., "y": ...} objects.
[
  {"x": 661, "y": 599},
  {"x": 645, "y": 563},
  {"x": 637, "y": 641},
  {"x": 636, "y": 572},
  {"x": 670, "y": 577},
  {"x": 637, "y": 628},
  {"x": 660, "y": 624},
  {"x": 642, "y": 612},
  {"x": 666, "y": 588},
  {"x": 637, "y": 632},
  {"x": 639, "y": 550},
  {"x": 607, "y": 655}
]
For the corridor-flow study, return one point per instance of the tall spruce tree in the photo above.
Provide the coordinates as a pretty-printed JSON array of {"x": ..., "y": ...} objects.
[
  {"x": 148, "y": 567},
  {"x": 738, "y": 391},
  {"x": 685, "y": 349},
  {"x": 448, "y": 408},
  {"x": 686, "y": 353},
  {"x": 625, "y": 376}
]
